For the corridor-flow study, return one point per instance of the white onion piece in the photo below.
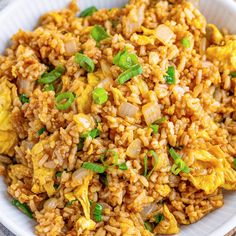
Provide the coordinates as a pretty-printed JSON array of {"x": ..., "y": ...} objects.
[
  {"x": 151, "y": 112},
  {"x": 134, "y": 148},
  {"x": 78, "y": 176},
  {"x": 51, "y": 203},
  {"x": 25, "y": 86},
  {"x": 147, "y": 210},
  {"x": 70, "y": 47},
  {"x": 105, "y": 83},
  {"x": 127, "y": 109},
  {"x": 164, "y": 34}
]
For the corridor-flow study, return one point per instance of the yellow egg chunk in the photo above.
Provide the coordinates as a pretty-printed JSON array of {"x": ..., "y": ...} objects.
[{"x": 8, "y": 137}]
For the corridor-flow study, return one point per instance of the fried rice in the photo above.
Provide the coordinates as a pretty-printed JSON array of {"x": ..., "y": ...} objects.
[{"x": 150, "y": 150}]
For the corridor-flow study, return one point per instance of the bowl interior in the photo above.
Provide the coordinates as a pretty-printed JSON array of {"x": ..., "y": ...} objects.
[{"x": 24, "y": 14}]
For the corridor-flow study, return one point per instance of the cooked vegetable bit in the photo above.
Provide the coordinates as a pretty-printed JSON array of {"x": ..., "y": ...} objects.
[
  {"x": 94, "y": 167},
  {"x": 186, "y": 42},
  {"x": 49, "y": 77},
  {"x": 22, "y": 207},
  {"x": 154, "y": 155},
  {"x": 88, "y": 11},
  {"x": 41, "y": 131},
  {"x": 68, "y": 96},
  {"x": 97, "y": 213},
  {"x": 130, "y": 73},
  {"x": 158, "y": 218},
  {"x": 170, "y": 75},
  {"x": 24, "y": 98},
  {"x": 233, "y": 74},
  {"x": 48, "y": 87},
  {"x": 98, "y": 33},
  {"x": 154, "y": 128},
  {"x": 85, "y": 62},
  {"x": 100, "y": 96}
]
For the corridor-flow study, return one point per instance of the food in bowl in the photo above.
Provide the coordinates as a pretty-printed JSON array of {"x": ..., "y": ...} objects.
[{"x": 119, "y": 121}]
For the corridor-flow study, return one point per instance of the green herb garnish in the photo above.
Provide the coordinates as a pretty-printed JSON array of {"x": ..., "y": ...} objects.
[
  {"x": 170, "y": 75},
  {"x": 85, "y": 62},
  {"x": 233, "y": 74},
  {"x": 158, "y": 218},
  {"x": 97, "y": 213},
  {"x": 99, "y": 96},
  {"x": 130, "y": 73},
  {"x": 49, "y": 77},
  {"x": 48, "y": 87},
  {"x": 70, "y": 203},
  {"x": 94, "y": 167},
  {"x": 59, "y": 174},
  {"x": 185, "y": 42},
  {"x": 88, "y": 11},
  {"x": 125, "y": 60},
  {"x": 22, "y": 207},
  {"x": 98, "y": 33},
  {"x": 68, "y": 96},
  {"x": 154, "y": 155},
  {"x": 80, "y": 144},
  {"x": 149, "y": 226},
  {"x": 24, "y": 98},
  {"x": 154, "y": 128},
  {"x": 123, "y": 166},
  {"x": 179, "y": 165},
  {"x": 41, "y": 131}
]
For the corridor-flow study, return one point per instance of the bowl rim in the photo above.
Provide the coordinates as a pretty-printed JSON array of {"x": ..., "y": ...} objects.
[{"x": 5, "y": 219}]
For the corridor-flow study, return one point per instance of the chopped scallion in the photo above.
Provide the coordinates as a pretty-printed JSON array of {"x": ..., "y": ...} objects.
[
  {"x": 103, "y": 179},
  {"x": 24, "y": 98},
  {"x": 161, "y": 120},
  {"x": 22, "y": 207},
  {"x": 179, "y": 165},
  {"x": 123, "y": 166},
  {"x": 130, "y": 73},
  {"x": 41, "y": 131},
  {"x": 125, "y": 60},
  {"x": 149, "y": 226},
  {"x": 158, "y": 218},
  {"x": 98, "y": 33},
  {"x": 48, "y": 87},
  {"x": 233, "y": 74},
  {"x": 70, "y": 203},
  {"x": 154, "y": 128},
  {"x": 59, "y": 174},
  {"x": 170, "y": 75},
  {"x": 85, "y": 62},
  {"x": 68, "y": 96},
  {"x": 94, "y": 133},
  {"x": 99, "y": 96},
  {"x": 97, "y": 213},
  {"x": 49, "y": 77},
  {"x": 185, "y": 42},
  {"x": 154, "y": 155},
  {"x": 80, "y": 144},
  {"x": 94, "y": 167},
  {"x": 88, "y": 11},
  {"x": 235, "y": 163}
]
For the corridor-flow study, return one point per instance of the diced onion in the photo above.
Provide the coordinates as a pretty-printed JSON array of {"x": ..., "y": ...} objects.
[
  {"x": 151, "y": 112},
  {"x": 70, "y": 47},
  {"x": 51, "y": 203},
  {"x": 127, "y": 109},
  {"x": 147, "y": 210},
  {"x": 164, "y": 34},
  {"x": 78, "y": 176},
  {"x": 134, "y": 148}
]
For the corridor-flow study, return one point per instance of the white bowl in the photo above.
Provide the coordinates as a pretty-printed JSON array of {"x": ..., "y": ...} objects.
[{"x": 24, "y": 14}]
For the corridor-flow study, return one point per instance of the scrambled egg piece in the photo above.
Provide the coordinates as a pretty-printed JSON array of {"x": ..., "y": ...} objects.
[
  {"x": 18, "y": 171},
  {"x": 224, "y": 54},
  {"x": 8, "y": 137},
  {"x": 212, "y": 168},
  {"x": 84, "y": 97},
  {"x": 163, "y": 189},
  {"x": 81, "y": 193},
  {"x": 117, "y": 96},
  {"x": 43, "y": 178},
  {"x": 168, "y": 225},
  {"x": 229, "y": 172},
  {"x": 214, "y": 35},
  {"x": 142, "y": 40}
]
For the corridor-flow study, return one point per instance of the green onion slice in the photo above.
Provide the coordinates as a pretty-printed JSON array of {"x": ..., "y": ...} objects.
[
  {"x": 130, "y": 73},
  {"x": 97, "y": 213},
  {"x": 94, "y": 133},
  {"x": 125, "y": 60},
  {"x": 161, "y": 120},
  {"x": 24, "y": 98},
  {"x": 22, "y": 207},
  {"x": 49, "y": 77},
  {"x": 68, "y": 96},
  {"x": 235, "y": 163},
  {"x": 98, "y": 33},
  {"x": 170, "y": 75},
  {"x": 85, "y": 62},
  {"x": 154, "y": 155},
  {"x": 48, "y": 87},
  {"x": 154, "y": 128},
  {"x": 149, "y": 226},
  {"x": 41, "y": 131},
  {"x": 88, "y": 11},
  {"x": 99, "y": 96},
  {"x": 185, "y": 42},
  {"x": 123, "y": 166},
  {"x": 94, "y": 167},
  {"x": 179, "y": 165},
  {"x": 158, "y": 218},
  {"x": 59, "y": 174},
  {"x": 80, "y": 144},
  {"x": 70, "y": 203},
  {"x": 233, "y": 74}
]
